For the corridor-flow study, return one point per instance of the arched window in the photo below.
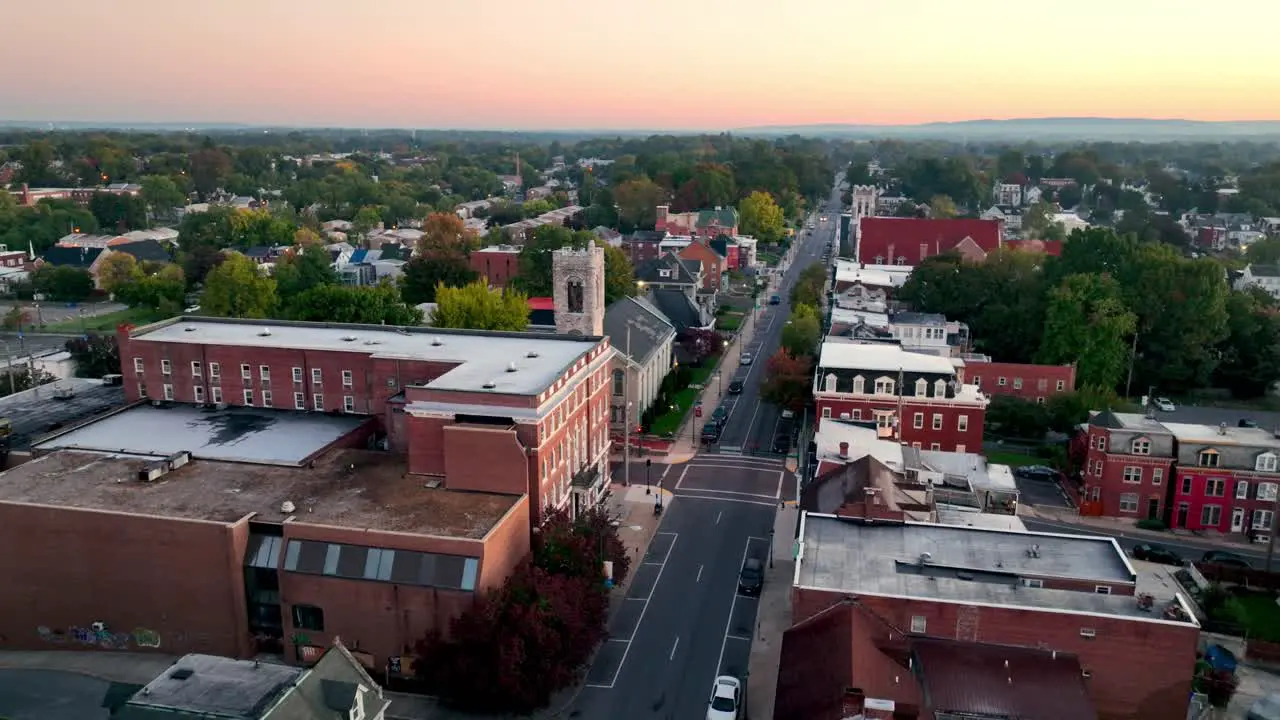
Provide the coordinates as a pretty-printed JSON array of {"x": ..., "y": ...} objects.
[
  {"x": 829, "y": 383},
  {"x": 940, "y": 388},
  {"x": 922, "y": 387},
  {"x": 884, "y": 386},
  {"x": 858, "y": 384},
  {"x": 573, "y": 294}
]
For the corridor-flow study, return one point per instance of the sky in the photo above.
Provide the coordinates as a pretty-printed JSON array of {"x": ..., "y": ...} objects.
[{"x": 635, "y": 64}]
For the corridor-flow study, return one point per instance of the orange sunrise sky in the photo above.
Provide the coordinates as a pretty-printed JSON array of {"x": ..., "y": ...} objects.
[{"x": 658, "y": 64}]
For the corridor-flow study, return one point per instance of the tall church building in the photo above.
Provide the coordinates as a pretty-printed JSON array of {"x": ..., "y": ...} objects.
[{"x": 578, "y": 280}]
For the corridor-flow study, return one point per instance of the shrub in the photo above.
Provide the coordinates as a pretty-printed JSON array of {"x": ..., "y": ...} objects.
[{"x": 1151, "y": 524}]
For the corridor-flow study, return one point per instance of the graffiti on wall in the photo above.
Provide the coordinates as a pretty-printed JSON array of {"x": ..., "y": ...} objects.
[{"x": 99, "y": 635}]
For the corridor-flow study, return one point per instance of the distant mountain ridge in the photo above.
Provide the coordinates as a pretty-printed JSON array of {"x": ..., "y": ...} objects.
[{"x": 1062, "y": 128}]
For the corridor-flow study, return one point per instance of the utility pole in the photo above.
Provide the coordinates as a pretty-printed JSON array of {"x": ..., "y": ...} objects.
[
  {"x": 626, "y": 415},
  {"x": 1133, "y": 354}
]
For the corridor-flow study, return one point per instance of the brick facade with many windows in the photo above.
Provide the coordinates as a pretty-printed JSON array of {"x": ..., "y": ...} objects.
[{"x": 1036, "y": 383}]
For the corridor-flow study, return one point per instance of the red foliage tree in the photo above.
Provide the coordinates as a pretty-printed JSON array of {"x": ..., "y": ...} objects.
[
  {"x": 702, "y": 345},
  {"x": 579, "y": 547},
  {"x": 788, "y": 381}
]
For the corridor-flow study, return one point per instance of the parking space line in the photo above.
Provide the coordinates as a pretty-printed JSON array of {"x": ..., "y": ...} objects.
[
  {"x": 782, "y": 476},
  {"x": 737, "y": 637},
  {"x": 683, "y": 472},
  {"x": 728, "y": 623},
  {"x": 639, "y": 621}
]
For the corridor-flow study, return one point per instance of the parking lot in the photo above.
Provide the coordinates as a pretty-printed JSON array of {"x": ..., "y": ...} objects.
[{"x": 1042, "y": 492}]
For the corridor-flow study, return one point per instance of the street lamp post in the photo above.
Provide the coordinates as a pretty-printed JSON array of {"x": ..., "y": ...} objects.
[
  {"x": 648, "y": 462},
  {"x": 770, "y": 547}
]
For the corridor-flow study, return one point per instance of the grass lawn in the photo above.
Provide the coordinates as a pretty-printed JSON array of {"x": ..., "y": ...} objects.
[
  {"x": 1259, "y": 614},
  {"x": 1013, "y": 459},
  {"x": 669, "y": 422},
  {"x": 729, "y": 321},
  {"x": 107, "y": 322}
]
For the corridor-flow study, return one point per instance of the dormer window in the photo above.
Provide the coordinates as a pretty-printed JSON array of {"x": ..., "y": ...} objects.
[
  {"x": 922, "y": 387},
  {"x": 939, "y": 388},
  {"x": 664, "y": 272},
  {"x": 829, "y": 383},
  {"x": 1266, "y": 462},
  {"x": 1208, "y": 458},
  {"x": 879, "y": 260},
  {"x": 1140, "y": 446},
  {"x": 859, "y": 385},
  {"x": 884, "y": 386}
]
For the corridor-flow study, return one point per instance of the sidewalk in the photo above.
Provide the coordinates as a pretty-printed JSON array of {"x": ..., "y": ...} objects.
[
  {"x": 1126, "y": 527},
  {"x": 773, "y": 617}
]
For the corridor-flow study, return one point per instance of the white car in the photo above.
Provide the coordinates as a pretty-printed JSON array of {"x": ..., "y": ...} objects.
[
  {"x": 1164, "y": 404},
  {"x": 745, "y": 359},
  {"x": 726, "y": 699}
]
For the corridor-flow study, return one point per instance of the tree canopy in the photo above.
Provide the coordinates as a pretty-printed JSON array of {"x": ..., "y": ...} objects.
[{"x": 476, "y": 307}]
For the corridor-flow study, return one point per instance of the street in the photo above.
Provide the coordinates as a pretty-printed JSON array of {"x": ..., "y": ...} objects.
[{"x": 683, "y": 621}]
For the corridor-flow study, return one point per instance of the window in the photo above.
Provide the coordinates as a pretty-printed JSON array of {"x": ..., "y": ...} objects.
[
  {"x": 264, "y": 371},
  {"x": 1032, "y": 582},
  {"x": 308, "y": 617},
  {"x": 859, "y": 385},
  {"x": 1062, "y": 385},
  {"x": 1017, "y": 383},
  {"x": 1040, "y": 400},
  {"x": 918, "y": 623},
  {"x": 1262, "y": 519},
  {"x": 935, "y": 446},
  {"x": 1140, "y": 446},
  {"x": 857, "y": 414},
  {"x": 266, "y": 398},
  {"x": 166, "y": 367},
  {"x": 618, "y": 382},
  {"x": 1242, "y": 489},
  {"x": 196, "y": 370},
  {"x": 346, "y": 378},
  {"x": 299, "y": 401},
  {"x": 939, "y": 389},
  {"x": 1088, "y": 633},
  {"x": 1102, "y": 589},
  {"x": 199, "y": 393},
  {"x": 826, "y": 412},
  {"x": 245, "y": 371},
  {"x": 315, "y": 376},
  {"x": 1101, "y": 442},
  {"x": 1215, "y": 487},
  {"x": 1132, "y": 474},
  {"x": 1266, "y": 462},
  {"x": 1211, "y": 515},
  {"x": 1157, "y": 476},
  {"x": 317, "y": 401},
  {"x": 1186, "y": 485},
  {"x": 879, "y": 260},
  {"x": 1097, "y": 468},
  {"x": 297, "y": 374},
  {"x": 977, "y": 380},
  {"x": 959, "y": 448},
  {"x": 1001, "y": 382},
  {"x": 917, "y": 421},
  {"x": 574, "y": 294},
  {"x": 138, "y": 367},
  {"x": 829, "y": 383},
  {"x": 962, "y": 423},
  {"x": 1266, "y": 491},
  {"x": 922, "y": 387},
  {"x": 937, "y": 421},
  {"x": 1209, "y": 458},
  {"x": 348, "y": 403},
  {"x": 248, "y": 398},
  {"x": 884, "y": 386},
  {"x": 1129, "y": 502},
  {"x": 215, "y": 370},
  {"x": 168, "y": 391},
  {"x": 217, "y": 394}
]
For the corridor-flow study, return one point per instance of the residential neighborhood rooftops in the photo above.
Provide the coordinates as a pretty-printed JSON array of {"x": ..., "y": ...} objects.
[
  {"x": 967, "y": 564},
  {"x": 80, "y": 257},
  {"x": 344, "y": 488},
  {"x": 212, "y": 686},
  {"x": 841, "y": 353},
  {"x": 1218, "y": 435},
  {"x": 481, "y": 357},
  {"x": 1127, "y": 421},
  {"x": 851, "y": 272},
  {"x": 144, "y": 250}
]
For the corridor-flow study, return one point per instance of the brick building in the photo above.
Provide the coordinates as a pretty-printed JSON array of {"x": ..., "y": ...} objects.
[
  {"x": 497, "y": 412},
  {"x": 643, "y": 245},
  {"x": 497, "y": 264},
  {"x": 1133, "y": 638},
  {"x": 714, "y": 265},
  {"x": 705, "y": 224},
  {"x": 1198, "y": 477},
  {"x": 921, "y": 400},
  {"x": 1028, "y": 381},
  {"x": 240, "y": 531},
  {"x": 909, "y": 241}
]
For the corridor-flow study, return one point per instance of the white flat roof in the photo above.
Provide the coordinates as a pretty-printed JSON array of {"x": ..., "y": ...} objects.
[
  {"x": 882, "y": 357},
  {"x": 872, "y": 319},
  {"x": 1216, "y": 435},
  {"x": 481, "y": 357}
]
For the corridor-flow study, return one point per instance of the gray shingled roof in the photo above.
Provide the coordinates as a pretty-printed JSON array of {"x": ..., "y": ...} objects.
[{"x": 649, "y": 328}]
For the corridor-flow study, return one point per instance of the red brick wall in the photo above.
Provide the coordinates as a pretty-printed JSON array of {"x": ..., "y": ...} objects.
[
  {"x": 1024, "y": 380},
  {"x": 712, "y": 263},
  {"x": 639, "y": 252},
  {"x": 485, "y": 459},
  {"x": 505, "y": 546},
  {"x": 69, "y": 568},
  {"x": 1197, "y": 498},
  {"x": 1102, "y": 491},
  {"x": 1140, "y": 670},
  {"x": 949, "y": 438},
  {"x": 498, "y": 268}
]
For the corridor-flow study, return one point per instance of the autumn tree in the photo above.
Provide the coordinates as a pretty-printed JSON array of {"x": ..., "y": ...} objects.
[
  {"x": 638, "y": 200},
  {"x": 1087, "y": 322},
  {"x": 118, "y": 269},
  {"x": 94, "y": 355},
  {"x": 210, "y": 167},
  {"x": 445, "y": 229},
  {"x": 476, "y": 307},
  {"x": 236, "y": 288},
  {"x": 941, "y": 206},
  {"x": 619, "y": 276},
  {"x": 440, "y": 266},
  {"x": 306, "y": 236},
  {"x": 370, "y": 305},
  {"x": 760, "y": 217},
  {"x": 788, "y": 381},
  {"x": 701, "y": 345}
]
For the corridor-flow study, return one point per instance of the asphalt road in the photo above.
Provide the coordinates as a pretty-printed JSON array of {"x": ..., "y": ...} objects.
[
  {"x": 50, "y": 695},
  {"x": 751, "y": 422}
]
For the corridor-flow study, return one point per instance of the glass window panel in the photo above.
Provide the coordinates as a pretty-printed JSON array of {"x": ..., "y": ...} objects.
[
  {"x": 291, "y": 555},
  {"x": 311, "y": 558},
  {"x": 385, "y": 564},
  {"x": 331, "y": 558},
  {"x": 405, "y": 569},
  {"x": 448, "y": 571},
  {"x": 469, "y": 570},
  {"x": 351, "y": 562}
]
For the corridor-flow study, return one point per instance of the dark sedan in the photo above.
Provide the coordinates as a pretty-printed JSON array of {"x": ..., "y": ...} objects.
[
  {"x": 1152, "y": 552},
  {"x": 751, "y": 579},
  {"x": 1225, "y": 557},
  {"x": 1036, "y": 472}
]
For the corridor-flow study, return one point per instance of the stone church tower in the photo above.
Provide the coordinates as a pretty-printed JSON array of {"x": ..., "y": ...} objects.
[{"x": 578, "y": 279}]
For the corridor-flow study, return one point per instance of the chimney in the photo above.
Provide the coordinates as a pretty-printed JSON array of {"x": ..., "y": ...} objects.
[
  {"x": 853, "y": 703},
  {"x": 844, "y": 450}
]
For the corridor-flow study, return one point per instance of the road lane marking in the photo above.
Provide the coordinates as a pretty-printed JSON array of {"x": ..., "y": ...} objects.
[
  {"x": 718, "y": 515},
  {"x": 682, "y": 474},
  {"x": 738, "y": 637},
  {"x": 728, "y": 621},
  {"x": 639, "y": 621},
  {"x": 699, "y": 578},
  {"x": 674, "y": 645},
  {"x": 749, "y": 468},
  {"x": 618, "y": 640},
  {"x": 732, "y": 492},
  {"x": 782, "y": 476},
  {"x": 751, "y": 425},
  {"x": 653, "y": 564},
  {"x": 771, "y": 503}
]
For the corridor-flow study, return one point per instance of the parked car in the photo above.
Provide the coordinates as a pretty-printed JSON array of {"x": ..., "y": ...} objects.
[
  {"x": 1247, "y": 423},
  {"x": 1152, "y": 552},
  {"x": 751, "y": 579},
  {"x": 775, "y": 299},
  {"x": 1226, "y": 557},
  {"x": 782, "y": 443},
  {"x": 1164, "y": 404},
  {"x": 735, "y": 387},
  {"x": 1036, "y": 472},
  {"x": 719, "y": 415},
  {"x": 711, "y": 432},
  {"x": 745, "y": 359},
  {"x": 726, "y": 699}
]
